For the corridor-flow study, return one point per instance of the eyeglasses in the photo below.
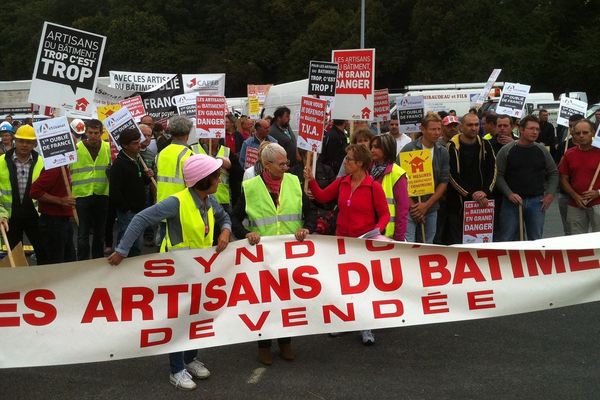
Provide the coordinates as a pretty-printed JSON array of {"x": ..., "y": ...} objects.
[{"x": 284, "y": 165}]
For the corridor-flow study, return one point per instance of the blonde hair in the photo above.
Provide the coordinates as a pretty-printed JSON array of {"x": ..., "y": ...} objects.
[
  {"x": 430, "y": 117},
  {"x": 360, "y": 134}
]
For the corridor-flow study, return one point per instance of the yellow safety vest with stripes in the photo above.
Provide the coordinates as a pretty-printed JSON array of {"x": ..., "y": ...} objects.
[
  {"x": 6, "y": 195},
  {"x": 388, "y": 182},
  {"x": 194, "y": 234},
  {"x": 222, "y": 195},
  {"x": 169, "y": 170},
  {"x": 263, "y": 216},
  {"x": 88, "y": 176}
]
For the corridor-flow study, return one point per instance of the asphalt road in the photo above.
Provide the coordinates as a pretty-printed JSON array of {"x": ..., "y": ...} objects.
[{"x": 542, "y": 355}]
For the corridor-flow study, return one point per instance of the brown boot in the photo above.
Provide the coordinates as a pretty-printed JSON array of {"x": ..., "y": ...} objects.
[
  {"x": 264, "y": 356},
  {"x": 286, "y": 351}
]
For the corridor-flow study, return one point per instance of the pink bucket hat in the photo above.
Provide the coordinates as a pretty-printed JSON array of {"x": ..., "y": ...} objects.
[{"x": 198, "y": 167}]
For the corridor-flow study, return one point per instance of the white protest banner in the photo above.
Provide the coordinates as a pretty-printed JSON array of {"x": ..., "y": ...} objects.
[
  {"x": 55, "y": 142},
  {"x": 382, "y": 105},
  {"x": 478, "y": 222},
  {"x": 118, "y": 122},
  {"x": 210, "y": 116},
  {"x": 89, "y": 311},
  {"x": 569, "y": 107},
  {"x": 138, "y": 81},
  {"x": 411, "y": 110},
  {"x": 106, "y": 95},
  {"x": 67, "y": 65},
  {"x": 354, "y": 99},
  {"x": 204, "y": 84},
  {"x": 488, "y": 86},
  {"x": 513, "y": 99},
  {"x": 311, "y": 124},
  {"x": 134, "y": 105},
  {"x": 321, "y": 78}
]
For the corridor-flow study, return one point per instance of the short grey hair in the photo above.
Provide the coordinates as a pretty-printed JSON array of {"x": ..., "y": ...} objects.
[
  {"x": 179, "y": 125},
  {"x": 271, "y": 151},
  {"x": 144, "y": 126}
]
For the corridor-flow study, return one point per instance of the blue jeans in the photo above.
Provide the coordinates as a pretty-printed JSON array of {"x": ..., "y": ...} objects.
[
  {"x": 178, "y": 359},
  {"x": 91, "y": 211},
  {"x": 533, "y": 219},
  {"x": 413, "y": 229},
  {"x": 123, "y": 220}
]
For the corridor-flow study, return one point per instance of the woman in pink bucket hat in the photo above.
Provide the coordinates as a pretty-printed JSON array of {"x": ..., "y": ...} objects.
[{"x": 191, "y": 216}]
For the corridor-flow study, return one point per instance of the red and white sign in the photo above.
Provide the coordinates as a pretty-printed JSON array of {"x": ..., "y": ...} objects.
[
  {"x": 90, "y": 311},
  {"x": 354, "y": 98},
  {"x": 311, "y": 124},
  {"x": 259, "y": 91},
  {"x": 382, "y": 105},
  {"x": 135, "y": 105},
  {"x": 251, "y": 157},
  {"x": 210, "y": 116},
  {"x": 478, "y": 222}
]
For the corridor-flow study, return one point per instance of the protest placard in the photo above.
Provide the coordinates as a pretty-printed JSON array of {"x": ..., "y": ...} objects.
[
  {"x": 67, "y": 65},
  {"x": 118, "y": 122},
  {"x": 411, "y": 110},
  {"x": 354, "y": 99},
  {"x": 89, "y": 311},
  {"x": 311, "y": 124},
  {"x": 253, "y": 107},
  {"x": 569, "y": 107},
  {"x": 55, "y": 142},
  {"x": 478, "y": 222},
  {"x": 134, "y": 105},
  {"x": 210, "y": 116},
  {"x": 486, "y": 89},
  {"x": 259, "y": 91},
  {"x": 321, "y": 78},
  {"x": 418, "y": 165},
  {"x": 382, "y": 105},
  {"x": 186, "y": 105},
  {"x": 208, "y": 84},
  {"x": 513, "y": 99}
]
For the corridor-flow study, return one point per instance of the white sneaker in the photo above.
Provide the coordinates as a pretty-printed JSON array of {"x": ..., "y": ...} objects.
[
  {"x": 182, "y": 380},
  {"x": 367, "y": 337},
  {"x": 197, "y": 369}
]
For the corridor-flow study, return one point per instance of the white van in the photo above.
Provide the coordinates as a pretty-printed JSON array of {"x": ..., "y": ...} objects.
[{"x": 286, "y": 94}]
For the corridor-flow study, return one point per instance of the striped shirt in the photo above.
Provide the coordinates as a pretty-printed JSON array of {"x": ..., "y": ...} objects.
[{"x": 22, "y": 173}]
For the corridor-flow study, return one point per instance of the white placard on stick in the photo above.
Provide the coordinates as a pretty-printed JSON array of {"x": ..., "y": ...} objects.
[
  {"x": 513, "y": 99},
  {"x": 569, "y": 107},
  {"x": 118, "y": 122},
  {"x": 55, "y": 142}
]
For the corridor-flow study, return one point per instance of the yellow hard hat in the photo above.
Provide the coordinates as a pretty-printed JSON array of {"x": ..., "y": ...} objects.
[{"x": 25, "y": 132}]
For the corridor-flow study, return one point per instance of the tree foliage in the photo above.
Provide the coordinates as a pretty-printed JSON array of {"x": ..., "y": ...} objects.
[{"x": 549, "y": 44}]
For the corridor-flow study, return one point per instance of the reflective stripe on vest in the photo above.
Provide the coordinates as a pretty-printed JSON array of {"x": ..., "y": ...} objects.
[
  {"x": 169, "y": 173},
  {"x": 222, "y": 195},
  {"x": 192, "y": 226},
  {"x": 88, "y": 176},
  {"x": 263, "y": 217},
  {"x": 5, "y": 186},
  {"x": 388, "y": 182}
]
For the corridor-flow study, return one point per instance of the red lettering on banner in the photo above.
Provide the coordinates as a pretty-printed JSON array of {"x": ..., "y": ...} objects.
[
  {"x": 207, "y": 264},
  {"x": 214, "y": 292},
  {"x": 379, "y": 314},
  {"x": 99, "y": 306},
  {"x": 293, "y": 317},
  {"x": 329, "y": 309},
  {"x": 493, "y": 261},
  {"x": 344, "y": 270},
  {"x": 516, "y": 264},
  {"x": 255, "y": 326},
  {"x": 48, "y": 310},
  {"x": 245, "y": 251},
  {"x": 309, "y": 251},
  {"x": 159, "y": 268},
  {"x": 195, "y": 297},
  {"x": 341, "y": 246},
  {"x": 575, "y": 264},
  {"x": 396, "y": 281},
  {"x": 172, "y": 292},
  {"x": 9, "y": 308},
  {"x": 313, "y": 285},
  {"x": 268, "y": 283},
  {"x": 145, "y": 341},
  {"x": 242, "y": 290},
  {"x": 378, "y": 246},
  {"x": 202, "y": 329},
  {"x": 128, "y": 304},
  {"x": 434, "y": 264},
  {"x": 481, "y": 299},
  {"x": 535, "y": 258},
  {"x": 466, "y": 268},
  {"x": 435, "y": 303}
]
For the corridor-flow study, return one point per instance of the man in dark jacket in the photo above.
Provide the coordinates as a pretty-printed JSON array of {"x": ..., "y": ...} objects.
[
  {"x": 281, "y": 131},
  {"x": 334, "y": 145},
  {"x": 127, "y": 184}
]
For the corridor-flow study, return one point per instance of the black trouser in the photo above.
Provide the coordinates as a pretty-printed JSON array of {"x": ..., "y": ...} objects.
[
  {"x": 56, "y": 236},
  {"x": 28, "y": 225},
  {"x": 265, "y": 344},
  {"x": 92, "y": 212}
]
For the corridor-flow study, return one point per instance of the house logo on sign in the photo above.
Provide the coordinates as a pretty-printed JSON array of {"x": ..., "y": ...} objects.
[
  {"x": 218, "y": 134},
  {"x": 81, "y": 104},
  {"x": 366, "y": 113},
  {"x": 417, "y": 165}
]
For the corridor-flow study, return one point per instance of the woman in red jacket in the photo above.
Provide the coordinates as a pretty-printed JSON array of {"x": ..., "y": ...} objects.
[{"x": 362, "y": 205}]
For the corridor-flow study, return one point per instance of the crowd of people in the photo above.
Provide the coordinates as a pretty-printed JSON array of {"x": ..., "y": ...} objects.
[{"x": 164, "y": 193}]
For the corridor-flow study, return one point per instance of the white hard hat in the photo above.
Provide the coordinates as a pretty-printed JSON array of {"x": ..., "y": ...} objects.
[{"x": 78, "y": 126}]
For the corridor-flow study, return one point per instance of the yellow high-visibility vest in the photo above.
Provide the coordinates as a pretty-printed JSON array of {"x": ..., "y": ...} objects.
[
  {"x": 388, "y": 182},
  {"x": 88, "y": 176},
  {"x": 169, "y": 170},
  {"x": 6, "y": 195},
  {"x": 222, "y": 195}
]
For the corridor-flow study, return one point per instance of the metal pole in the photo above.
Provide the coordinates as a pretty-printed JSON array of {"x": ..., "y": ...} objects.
[{"x": 362, "y": 24}]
